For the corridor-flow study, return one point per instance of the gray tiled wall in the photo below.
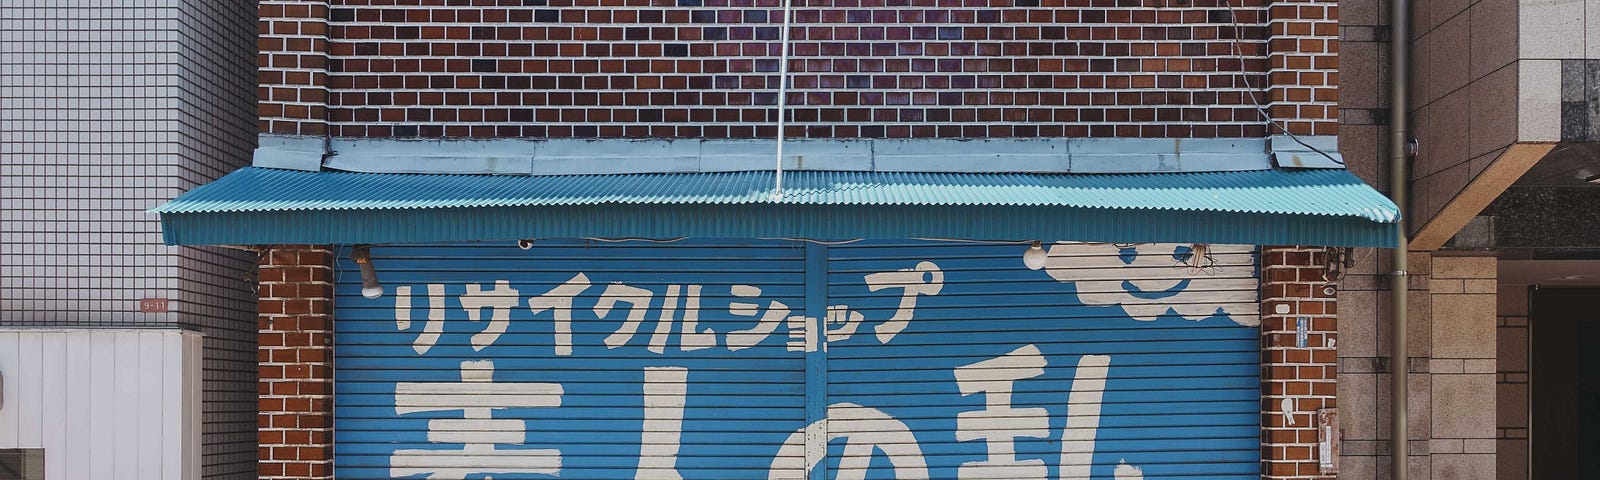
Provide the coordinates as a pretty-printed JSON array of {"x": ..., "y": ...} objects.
[{"x": 106, "y": 111}]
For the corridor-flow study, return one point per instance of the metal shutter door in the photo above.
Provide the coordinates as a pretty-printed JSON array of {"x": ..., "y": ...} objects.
[
  {"x": 930, "y": 359},
  {"x": 984, "y": 372},
  {"x": 523, "y": 404}
]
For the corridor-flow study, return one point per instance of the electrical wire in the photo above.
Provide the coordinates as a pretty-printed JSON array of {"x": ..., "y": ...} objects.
[
  {"x": 634, "y": 239},
  {"x": 818, "y": 242},
  {"x": 986, "y": 242},
  {"x": 1198, "y": 261},
  {"x": 1250, "y": 90}
]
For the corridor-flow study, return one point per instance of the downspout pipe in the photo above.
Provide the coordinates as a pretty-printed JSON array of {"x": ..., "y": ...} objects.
[{"x": 1399, "y": 184}]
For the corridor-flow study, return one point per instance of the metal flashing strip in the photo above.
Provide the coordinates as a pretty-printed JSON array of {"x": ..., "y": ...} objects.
[
  {"x": 290, "y": 152},
  {"x": 266, "y": 206},
  {"x": 626, "y": 156},
  {"x": 1305, "y": 151}
]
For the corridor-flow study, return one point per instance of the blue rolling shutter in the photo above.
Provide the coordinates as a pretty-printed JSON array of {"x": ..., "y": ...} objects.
[
  {"x": 388, "y": 388},
  {"x": 710, "y": 359},
  {"x": 1119, "y": 355}
]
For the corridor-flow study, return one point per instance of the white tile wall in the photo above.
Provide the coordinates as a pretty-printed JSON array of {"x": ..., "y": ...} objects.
[{"x": 108, "y": 111}]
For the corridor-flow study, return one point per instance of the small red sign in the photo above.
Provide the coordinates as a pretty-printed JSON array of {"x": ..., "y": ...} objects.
[{"x": 152, "y": 305}]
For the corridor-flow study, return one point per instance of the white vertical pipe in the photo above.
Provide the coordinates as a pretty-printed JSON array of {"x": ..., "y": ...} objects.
[{"x": 783, "y": 95}]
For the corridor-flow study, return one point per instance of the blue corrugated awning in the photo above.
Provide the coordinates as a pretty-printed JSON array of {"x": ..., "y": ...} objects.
[{"x": 268, "y": 206}]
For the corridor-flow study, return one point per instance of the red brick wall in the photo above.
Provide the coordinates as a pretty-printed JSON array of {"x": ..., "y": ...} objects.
[
  {"x": 1306, "y": 377},
  {"x": 292, "y": 98},
  {"x": 1304, "y": 54},
  {"x": 296, "y": 363},
  {"x": 708, "y": 68}
]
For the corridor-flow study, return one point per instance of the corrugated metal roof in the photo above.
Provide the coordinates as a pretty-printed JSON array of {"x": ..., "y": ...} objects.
[{"x": 539, "y": 206}]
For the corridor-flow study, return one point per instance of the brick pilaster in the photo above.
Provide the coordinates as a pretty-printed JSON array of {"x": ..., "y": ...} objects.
[
  {"x": 292, "y": 96},
  {"x": 296, "y": 363},
  {"x": 1296, "y": 381},
  {"x": 1303, "y": 58}
]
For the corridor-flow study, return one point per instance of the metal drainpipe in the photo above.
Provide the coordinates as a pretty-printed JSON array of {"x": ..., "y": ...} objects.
[{"x": 1399, "y": 183}]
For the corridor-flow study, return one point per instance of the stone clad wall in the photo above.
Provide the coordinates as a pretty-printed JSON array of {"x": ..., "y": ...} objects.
[
  {"x": 1511, "y": 382},
  {"x": 1452, "y": 350},
  {"x": 1462, "y": 410}
]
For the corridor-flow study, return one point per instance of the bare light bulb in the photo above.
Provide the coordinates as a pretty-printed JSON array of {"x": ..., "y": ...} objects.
[
  {"x": 370, "y": 287},
  {"x": 1035, "y": 256}
]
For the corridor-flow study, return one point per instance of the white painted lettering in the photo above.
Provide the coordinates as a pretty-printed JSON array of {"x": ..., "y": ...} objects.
[
  {"x": 774, "y": 316},
  {"x": 638, "y": 300},
  {"x": 999, "y": 424},
  {"x": 865, "y": 430},
  {"x": 664, "y": 391},
  {"x": 501, "y": 300},
  {"x": 924, "y": 279},
  {"x": 843, "y": 323},
  {"x": 658, "y": 339},
  {"x": 1083, "y": 416},
  {"x": 430, "y": 329},
  {"x": 691, "y": 337},
  {"x": 476, "y": 396},
  {"x": 559, "y": 302}
]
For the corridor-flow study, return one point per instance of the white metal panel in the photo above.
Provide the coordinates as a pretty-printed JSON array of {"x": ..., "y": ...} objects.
[
  {"x": 74, "y": 419},
  {"x": 171, "y": 412},
  {"x": 30, "y": 352},
  {"x": 9, "y": 411},
  {"x": 149, "y": 403},
  {"x": 104, "y": 404},
  {"x": 53, "y": 392},
  {"x": 125, "y": 412},
  {"x": 190, "y": 397},
  {"x": 102, "y": 368}
]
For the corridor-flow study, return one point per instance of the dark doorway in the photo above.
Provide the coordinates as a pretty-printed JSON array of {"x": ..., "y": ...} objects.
[{"x": 1565, "y": 383}]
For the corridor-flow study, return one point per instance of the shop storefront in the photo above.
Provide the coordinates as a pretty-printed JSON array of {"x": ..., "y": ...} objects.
[{"x": 864, "y": 325}]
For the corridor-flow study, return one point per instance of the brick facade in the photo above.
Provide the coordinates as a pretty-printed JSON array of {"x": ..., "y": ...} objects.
[
  {"x": 296, "y": 363},
  {"x": 1304, "y": 58},
  {"x": 861, "y": 68},
  {"x": 1296, "y": 381},
  {"x": 293, "y": 67}
]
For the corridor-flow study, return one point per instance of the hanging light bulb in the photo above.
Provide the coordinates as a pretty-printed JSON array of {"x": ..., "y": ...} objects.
[
  {"x": 370, "y": 287},
  {"x": 1035, "y": 256}
]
